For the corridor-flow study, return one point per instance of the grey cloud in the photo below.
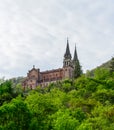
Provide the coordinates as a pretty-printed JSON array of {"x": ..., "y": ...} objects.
[{"x": 35, "y": 31}]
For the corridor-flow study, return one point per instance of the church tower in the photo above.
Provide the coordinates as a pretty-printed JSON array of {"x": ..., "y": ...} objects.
[
  {"x": 76, "y": 65},
  {"x": 67, "y": 56},
  {"x": 67, "y": 63}
]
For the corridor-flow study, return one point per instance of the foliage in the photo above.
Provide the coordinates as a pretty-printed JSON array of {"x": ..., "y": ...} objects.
[
  {"x": 14, "y": 115},
  {"x": 2, "y": 80},
  {"x": 85, "y": 103},
  {"x": 77, "y": 69},
  {"x": 5, "y": 92},
  {"x": 64, "y": 121},
  {"x": 112, "y": 65}
]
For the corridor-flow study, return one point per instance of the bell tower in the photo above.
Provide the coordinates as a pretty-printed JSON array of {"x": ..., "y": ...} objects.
[
  {"x": 67, "y": 56},
  {"x": 67, "y": 63}
]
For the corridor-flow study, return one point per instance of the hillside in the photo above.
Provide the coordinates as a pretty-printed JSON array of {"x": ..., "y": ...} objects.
[
  {"x": 105, "y": 65},
  {"x": 80, "y": 104}
]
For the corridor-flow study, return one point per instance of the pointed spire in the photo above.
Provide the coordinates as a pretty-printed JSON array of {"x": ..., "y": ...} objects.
[
  {"x": 67, "y": 53},
  {"x": 75, "y": 54}
]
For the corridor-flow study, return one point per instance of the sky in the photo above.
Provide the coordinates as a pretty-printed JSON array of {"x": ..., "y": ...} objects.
[{"x": 34, "y": 32}]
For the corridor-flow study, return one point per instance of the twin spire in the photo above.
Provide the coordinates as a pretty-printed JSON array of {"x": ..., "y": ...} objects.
[{"x": 68, "y": 54}]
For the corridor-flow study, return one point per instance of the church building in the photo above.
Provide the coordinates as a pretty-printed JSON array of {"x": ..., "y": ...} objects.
[{"x": 35, "y": 77}]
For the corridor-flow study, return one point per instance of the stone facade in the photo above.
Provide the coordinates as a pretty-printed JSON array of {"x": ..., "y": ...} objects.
[{"x": 35, "y": 77}]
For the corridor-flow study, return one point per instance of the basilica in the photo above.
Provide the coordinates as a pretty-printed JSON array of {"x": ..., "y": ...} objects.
[{"x": 35, "y": 77}]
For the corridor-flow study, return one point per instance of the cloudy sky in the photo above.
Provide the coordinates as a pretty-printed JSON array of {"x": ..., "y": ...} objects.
[{"x": 34, "y": 32}]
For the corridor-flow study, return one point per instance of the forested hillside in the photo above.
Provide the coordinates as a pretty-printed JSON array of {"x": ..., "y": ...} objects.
[
  {"x": 85, "y": 103},
  {"x": 105, "y": 65}
]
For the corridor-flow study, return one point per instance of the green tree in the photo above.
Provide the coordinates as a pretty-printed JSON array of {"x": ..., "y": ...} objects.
[
  {"x": 6, "y": 87},
  {"x": 41, "y": 107},
  {"x": 78, "y": 114},
  {"x": 112, "y": 65},
  {"x": 101, "y": 74},
  {"x": 77, "y": 69},
  {"x": 5, "y": 92},
  {"x": 64, "y": 121},
  {"x": 15, "y": 115},
  {"x": 2, "y": 80}
]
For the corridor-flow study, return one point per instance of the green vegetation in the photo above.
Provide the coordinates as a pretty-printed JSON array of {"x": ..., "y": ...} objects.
[
  {"x": 77, "y": 69},
  {"x": 86, "y": 103}
]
